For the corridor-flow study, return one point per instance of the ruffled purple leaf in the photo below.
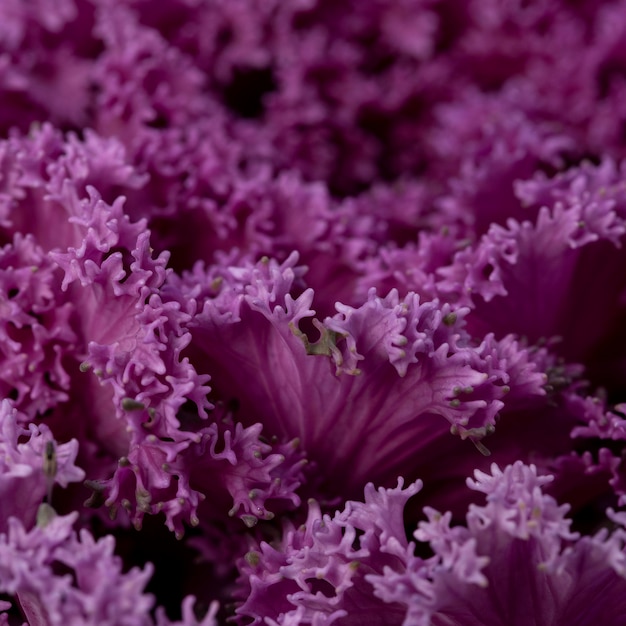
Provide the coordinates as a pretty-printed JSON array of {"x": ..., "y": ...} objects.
[
  {"x": 36, "y": 331},
  {"x": 528, "y": 277},
  {"x": 394, "y": 364},
  {"x": 315, "y": 575},
  {"x": 31, "y": 463},
  {"x": 60, "y": 576},
  {"x": 515, "y": 561}
]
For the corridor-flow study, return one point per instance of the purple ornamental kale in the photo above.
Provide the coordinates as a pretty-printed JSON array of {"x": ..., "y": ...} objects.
[{"x": 254, "y": 255}]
